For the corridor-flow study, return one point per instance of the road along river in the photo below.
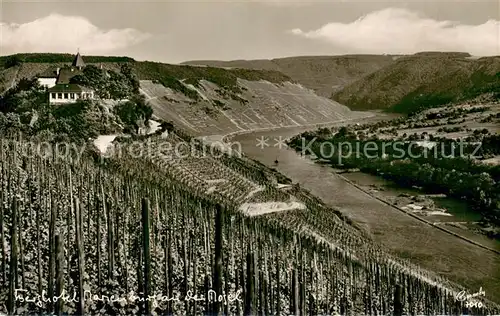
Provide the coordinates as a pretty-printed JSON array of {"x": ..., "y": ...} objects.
[{"x": 403, "y": 235}]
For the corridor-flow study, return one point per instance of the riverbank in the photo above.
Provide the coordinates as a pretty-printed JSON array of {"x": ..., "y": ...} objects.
[
  {"x": 405, "y": 236},
  {"x": 419, "y": 218}
]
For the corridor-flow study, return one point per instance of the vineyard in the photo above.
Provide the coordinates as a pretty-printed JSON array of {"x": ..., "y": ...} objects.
[
  {"x": 103, "y": 237},
  {"x": 259, "y": 105}
]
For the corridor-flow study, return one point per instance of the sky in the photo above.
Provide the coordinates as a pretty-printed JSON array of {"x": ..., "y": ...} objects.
[{"x": 175, "y": 31}]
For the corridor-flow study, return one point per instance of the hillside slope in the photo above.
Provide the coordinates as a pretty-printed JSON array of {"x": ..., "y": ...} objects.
[
  {"x": 261, "y": 104},
  {"x": 16, "y": 67},
  {"x": 324, "y": 74},
  {"x": 419, "y": 81},
  {"x": 208, "y": 100}
]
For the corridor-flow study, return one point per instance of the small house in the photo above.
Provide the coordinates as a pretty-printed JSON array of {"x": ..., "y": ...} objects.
[
  {"x": 69, "y": 93},
  {"x": 57, "y": 81}
]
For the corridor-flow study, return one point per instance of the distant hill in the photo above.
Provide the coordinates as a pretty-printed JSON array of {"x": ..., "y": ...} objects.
[
  {"x": 402, "y": 83},
  {"x": 324, "y": 74},
  {"x": 423, "y": 80}
]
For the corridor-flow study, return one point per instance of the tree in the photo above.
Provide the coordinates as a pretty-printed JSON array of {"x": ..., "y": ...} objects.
[
  {"x": 132, "y": 111},
  {"x": 10, "y": 123},
  {"x": 25, "y": 96},
  {"x": 92, "y": 77},
  {"x": 425, "y": 174},
  {"x": 127, "y": 71},
  {"x": 126, "y": 112},
  {"x": 12, "y": 61},
  {"x": 107, "y": 83}
]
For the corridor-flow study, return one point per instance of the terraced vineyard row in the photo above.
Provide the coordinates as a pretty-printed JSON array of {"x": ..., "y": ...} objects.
[{"x": 199, "y": 170}]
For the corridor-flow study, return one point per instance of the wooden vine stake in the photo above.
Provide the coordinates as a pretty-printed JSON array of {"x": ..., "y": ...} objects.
[
  {"x": 218, "y": 258},
  {"x": 13, "y": 260},
  {"x": 81, "y": 260},
  {"x": 59, "y": 274},
  {"x": 147, "y": 259}
]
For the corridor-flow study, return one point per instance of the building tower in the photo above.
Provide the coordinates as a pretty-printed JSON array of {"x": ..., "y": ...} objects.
[{"x": 78, "y": 61}]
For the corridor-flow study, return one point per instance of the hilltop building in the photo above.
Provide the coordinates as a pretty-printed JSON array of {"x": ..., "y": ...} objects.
[
  {"x": 69, "y": 93},
  {"x": 78, "y": 62},
  {"x": 57, "y": 81}
]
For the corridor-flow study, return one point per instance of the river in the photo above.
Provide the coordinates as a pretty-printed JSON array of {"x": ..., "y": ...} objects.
[{"x": 401, "y": 234}]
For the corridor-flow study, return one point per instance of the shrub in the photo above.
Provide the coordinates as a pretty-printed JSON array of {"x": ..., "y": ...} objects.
[
  {"x": 130, "y": 112},
  {"x": 107, "y": 83},
  {"x": 178, "y": 86},
  {"x": 12, "y": 61}
]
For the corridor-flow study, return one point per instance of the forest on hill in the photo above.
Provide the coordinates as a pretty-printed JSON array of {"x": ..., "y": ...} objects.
[
  {"x": 29, "y": 66},
  {"x": 414, "y": 83},
  {"x": 398, "y": 83},
  {"x": 25, "y": 108}
]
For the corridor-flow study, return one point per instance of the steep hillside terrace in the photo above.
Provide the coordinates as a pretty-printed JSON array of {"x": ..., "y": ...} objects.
[
  {"x": 259, "y": 105},
  {"x": 295, "y": 209},
  {"x": 324, "y": 74},
  {"x": 342, "y": 262},
  {"x": 200, "y": 170}
]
